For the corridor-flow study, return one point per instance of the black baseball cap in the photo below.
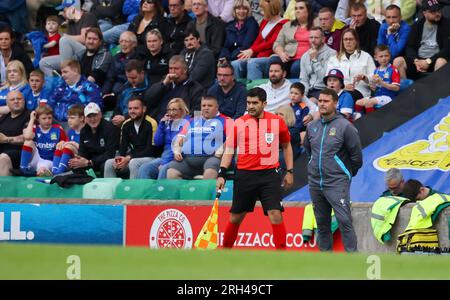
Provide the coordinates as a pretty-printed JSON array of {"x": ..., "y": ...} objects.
[{"x": 431, "y": 5}]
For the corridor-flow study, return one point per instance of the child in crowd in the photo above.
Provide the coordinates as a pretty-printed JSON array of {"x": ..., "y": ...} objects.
[
  {"x": 40, "y": 142},
  {"x": 53, "y": 36},
  {"x": 301, "y": 110},
  {"x": 37, "y": 94},
  {"x": 67, "y": 150},
  {"x": 335, "y": 80},
  {"x": 385, "y": 83}
]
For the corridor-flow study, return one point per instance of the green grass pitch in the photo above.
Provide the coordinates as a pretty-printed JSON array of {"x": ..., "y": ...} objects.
[{"x": 20, "y": 261}]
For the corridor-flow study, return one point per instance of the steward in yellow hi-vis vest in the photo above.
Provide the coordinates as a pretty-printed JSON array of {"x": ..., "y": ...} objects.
[
  {"x": 426, "y": 211},
  {"x": 309, "y": 223},
  {"x": 384, "y": 213}
]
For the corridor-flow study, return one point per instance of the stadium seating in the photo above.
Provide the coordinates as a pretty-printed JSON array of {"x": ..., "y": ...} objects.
[
  {"x": 165, "y": 190},
  {"x": 30, "y": 188},
  {"x": 197, "y": 190},
  {"x": 134, "y": 189},
  {"x": 8, "y": 186},
  {"x": 101, "y": 188}
]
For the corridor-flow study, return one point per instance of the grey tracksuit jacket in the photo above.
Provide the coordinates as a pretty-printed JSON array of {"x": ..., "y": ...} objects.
[{"x": 334, "y": 151}]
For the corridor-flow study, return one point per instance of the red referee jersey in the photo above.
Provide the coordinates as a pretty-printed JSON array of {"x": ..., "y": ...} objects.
[{"x": 258, "y": 141}]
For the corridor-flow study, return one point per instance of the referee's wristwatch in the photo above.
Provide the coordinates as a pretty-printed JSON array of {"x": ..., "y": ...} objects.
[{"x": 290, "y": 171}]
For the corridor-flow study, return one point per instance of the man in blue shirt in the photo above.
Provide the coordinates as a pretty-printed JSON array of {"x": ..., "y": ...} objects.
[
  {"x": 197, "y": 147},
  {"x": 394, "y": 32}
]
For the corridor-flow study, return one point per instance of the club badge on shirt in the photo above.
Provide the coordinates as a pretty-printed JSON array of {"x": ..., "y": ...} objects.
[{"x": 269, "y": 137}]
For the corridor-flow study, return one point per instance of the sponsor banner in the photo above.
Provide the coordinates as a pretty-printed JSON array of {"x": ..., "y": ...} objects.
[
  {"x": 60, "y": 223},
  {"x": 178, "y": 227}
]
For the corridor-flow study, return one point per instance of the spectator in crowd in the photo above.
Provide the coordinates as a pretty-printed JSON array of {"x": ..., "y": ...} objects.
[
  {"x": 277, "y": 89},
  {"x": 11, "y": 132},
  {"x": 222, "y": 9},
  {"x": 385, "y": 83},
  {"x": 151, "y": 16},
  {"x": 356, "y": 64},
  {"x": 108, "y": 13},
  {"x": 230, "y": 94},
  {"x": 239, "y": 33},
  {"x": 196, "y": 149},
  {"x": 178, "y": 21},
  {"x": 100, "y": 140},
  {"x": 287, "y": 114},
  {"x": 316, "y": 6},
  {"x": 137, "y": 145},
  {"x": 176, "y": 84},
  {"x": 116, "y": 73},
  {"x": 367, "y": 29},
  {"x": 156, "y": 57},
  {"x": 335, "y": 81},
  {"x": 425, "y": 51},
  {"x": 37, "y": 94},
  {"x": 377, "y": 8},
  {"x": 66, "y": 150},
  {"x": 10, "y": 51},
  {"x": 73, "y": 41},
  {"x": 293, "y": 40},
  {"x": 199, "y": 58},
  {"x": 136, "y": 85},
  {"x": 75, "y": 88},
  {"x": 176, "y": 117},
  {"x": 331, "y": 27},
  {"x": 303, "y": 115},
  {"x": 95, "y": 59},
  {"x": 130, "y": 10},
  {"x": 16, "y": 80},
  {"x": 343, "y": 9},
  {"x": 394, "y": 32},
  {"x": 53, "y": 36},
  {"x": 394, "y": 182},
  {"x": 210, "y": 28},
  {"x": 314, "y": 63},
  {"x": 40, "y": 139},
  {"x": 252, "y": 62}
]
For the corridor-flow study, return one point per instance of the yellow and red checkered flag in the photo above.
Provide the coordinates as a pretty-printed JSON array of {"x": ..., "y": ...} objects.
[{"x": 207, "y": 237}]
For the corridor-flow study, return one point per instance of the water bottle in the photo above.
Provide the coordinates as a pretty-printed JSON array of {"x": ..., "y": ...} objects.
[{"x": 116, "y": 156}]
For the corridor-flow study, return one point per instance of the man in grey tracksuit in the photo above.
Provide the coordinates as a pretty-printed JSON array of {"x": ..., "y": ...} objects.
[{"x": 334, "y": 149}]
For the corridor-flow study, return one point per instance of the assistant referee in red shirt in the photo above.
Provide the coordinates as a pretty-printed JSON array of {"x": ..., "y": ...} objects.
[{"x": 257, "y": 136}]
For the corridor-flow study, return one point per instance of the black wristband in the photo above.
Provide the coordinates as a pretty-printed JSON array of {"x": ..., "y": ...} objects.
[{"x": 222, "y": 173}]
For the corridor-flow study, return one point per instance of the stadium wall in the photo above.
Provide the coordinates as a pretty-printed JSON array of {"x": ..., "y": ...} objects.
[{"x": 159, "y": 224}]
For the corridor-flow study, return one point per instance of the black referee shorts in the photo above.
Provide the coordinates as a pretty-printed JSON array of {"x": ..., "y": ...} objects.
[{"x": 262, "y": 185}]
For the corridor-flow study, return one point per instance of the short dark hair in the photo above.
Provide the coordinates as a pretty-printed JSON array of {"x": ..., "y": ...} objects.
[
  {"x": 331, "y": 93},
  {"x": 76, "y": 110},
  {"x": 52, "y": 18},
  {"x": 299, "y": 86},
  {"x": 137, "y": 98},
  {"x": 210, "y": 98},
  {"x": 317, "y": 28},
  {"x": 96, "y": 31},
  {"x": 380, "y": 48},
  {"x": 357, "y": 6},
  {"x": 134, "y": 64},
  {"x": 259, "y": 93},
  {"x": 393, "y": 6},
  {"x": 192, "y": 31},
  {"x": 9, "y": 30},
  {"x": 411, "y": 189},
  {"x": 277, "y": 61},
  {"x": 326, "y": 9}
]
